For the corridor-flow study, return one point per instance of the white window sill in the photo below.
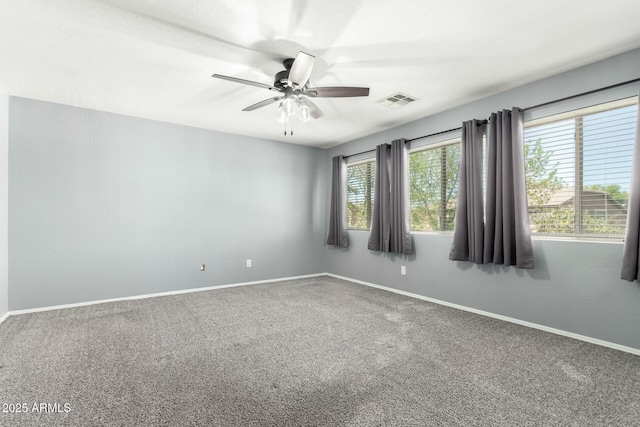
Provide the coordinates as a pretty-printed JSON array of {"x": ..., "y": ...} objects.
[
  {"x": 609, "y": 240},
  {"x": 433, "y": 233}
]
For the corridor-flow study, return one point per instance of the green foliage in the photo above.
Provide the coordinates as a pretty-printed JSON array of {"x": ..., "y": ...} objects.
[
  {"x": 433, "y": 187},
  {"x": 596, "y": 225},
  {"x": 562, "y": 221},
  {"x": 541, "y": 179},
  {"x": 553, "y": 221}
]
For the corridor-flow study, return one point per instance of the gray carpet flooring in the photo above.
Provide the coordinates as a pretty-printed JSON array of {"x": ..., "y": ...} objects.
[{"x": 306, "y": 352}]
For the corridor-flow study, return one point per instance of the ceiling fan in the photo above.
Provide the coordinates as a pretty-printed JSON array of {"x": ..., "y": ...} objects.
[{"x": 292, "y": 84}]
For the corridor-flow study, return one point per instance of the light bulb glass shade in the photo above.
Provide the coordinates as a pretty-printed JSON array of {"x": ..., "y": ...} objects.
[
  {"x": 289, "y": 106},
  {"x": 305, "y": 113},
  {"x": 282, "y": 114}
]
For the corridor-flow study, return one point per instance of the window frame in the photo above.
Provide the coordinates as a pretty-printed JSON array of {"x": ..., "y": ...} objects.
[
  {"x": 577, "y": 109},
  {"x": 449, "y": 140}
]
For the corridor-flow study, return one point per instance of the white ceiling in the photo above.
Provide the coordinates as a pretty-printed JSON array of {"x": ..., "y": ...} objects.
[{"x": 154, "y": 58}]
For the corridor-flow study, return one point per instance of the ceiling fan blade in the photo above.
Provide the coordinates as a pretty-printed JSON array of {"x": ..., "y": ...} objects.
[
  {"x": 245, "y": 82},
  {"x": 316, "y": 112},
  {"x": 336, "y": 92},
  {"x": 301, "y": 69},
  {"x": 263, "y": 103}
]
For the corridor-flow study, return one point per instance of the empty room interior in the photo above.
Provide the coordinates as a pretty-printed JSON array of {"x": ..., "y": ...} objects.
[{"x": 344, "y": 213}]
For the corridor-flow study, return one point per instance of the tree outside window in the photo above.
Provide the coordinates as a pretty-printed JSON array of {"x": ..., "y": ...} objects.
[{"x": 433, "y": 187}]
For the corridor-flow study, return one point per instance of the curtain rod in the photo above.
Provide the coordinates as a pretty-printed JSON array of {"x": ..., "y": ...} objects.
[
  {"x": 567, "y": 98},
  {"x": 544, "y": 104},
  {"x": 408, "y": 140}
]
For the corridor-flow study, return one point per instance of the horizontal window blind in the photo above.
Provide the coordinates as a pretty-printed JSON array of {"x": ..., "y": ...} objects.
[
  {"x": 360, "y": 187},
  {"x": 578, "y": 169}
]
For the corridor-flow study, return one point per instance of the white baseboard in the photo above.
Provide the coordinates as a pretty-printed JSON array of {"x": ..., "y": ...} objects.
[
  {"x": 159, "y": 294},
  {"x": 497, "y": 316},
  {"x": 3, "y": 318}
]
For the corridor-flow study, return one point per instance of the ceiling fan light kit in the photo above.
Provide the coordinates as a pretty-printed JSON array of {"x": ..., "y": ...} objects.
[
  {"x": 293, "y": 84},
  {"x": 294, "y": 106}
]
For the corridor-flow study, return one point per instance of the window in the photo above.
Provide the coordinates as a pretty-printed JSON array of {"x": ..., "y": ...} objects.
[
  {"x": 578, "y": 169},
  {"x": 433, "y": 186},
  {"x": 360, "y": 186}
]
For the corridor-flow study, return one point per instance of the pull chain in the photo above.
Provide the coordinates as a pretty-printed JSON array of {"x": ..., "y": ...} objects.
[{"x": 290, "y": 128}]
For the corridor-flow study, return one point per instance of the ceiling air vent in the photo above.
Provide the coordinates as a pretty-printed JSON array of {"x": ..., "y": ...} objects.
[{"x": 397, "y": 100}]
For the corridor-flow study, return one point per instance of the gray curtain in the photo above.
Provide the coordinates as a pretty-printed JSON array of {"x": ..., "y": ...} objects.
[
  {"x": 631, "y": 254},
  {"x": 504, "y": 236},
  {"x": 390, "y": 230},
  {"x": 468, "y": 234},
  {"x": 338, "y": 235},
  {"x": 507, "y": 235}
]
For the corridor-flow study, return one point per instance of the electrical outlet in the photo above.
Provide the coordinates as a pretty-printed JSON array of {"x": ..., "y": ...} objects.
[
  {"x": 248, "y": 263},
  {"x": 201, "y": 267},
  {"x": 403, "y": 270}
]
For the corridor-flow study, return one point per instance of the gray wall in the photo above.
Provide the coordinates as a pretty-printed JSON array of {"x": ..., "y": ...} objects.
[
  {"x": 575, "y": 286},
  {"x": 105, "y": 206},
  {"x": 4, "y": 210}
]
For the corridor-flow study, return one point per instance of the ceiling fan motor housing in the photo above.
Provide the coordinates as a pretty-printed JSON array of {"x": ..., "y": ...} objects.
[{"x": 282, "y": 77}]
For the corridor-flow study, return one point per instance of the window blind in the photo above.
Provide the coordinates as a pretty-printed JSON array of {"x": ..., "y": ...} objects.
[
  {"x": 578, "y": 169},
  {"x": 360, "y": 189}
]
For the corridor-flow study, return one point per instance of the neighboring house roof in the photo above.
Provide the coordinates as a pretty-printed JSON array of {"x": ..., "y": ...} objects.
[
  {"x": 564, "y": 197},
  {"x": 561, "y": 197}
]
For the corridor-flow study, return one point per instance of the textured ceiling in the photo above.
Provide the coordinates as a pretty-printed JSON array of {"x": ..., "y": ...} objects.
[{"x": 154, "y": 59}]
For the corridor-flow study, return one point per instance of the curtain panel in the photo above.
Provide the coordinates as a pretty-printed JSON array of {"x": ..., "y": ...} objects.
[
  {"x": 507, "y": 235},
  {"x": 468, "y": 232},
  {"x": 631, "y": 252},
  {"x": 380, "y": 221},
  {"x": 390, "y": 229},
  {"x": 338, "y": 235}
]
